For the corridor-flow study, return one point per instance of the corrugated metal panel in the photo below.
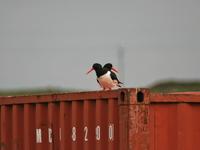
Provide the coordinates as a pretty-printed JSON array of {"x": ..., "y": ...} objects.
[
  {"x": 86, "y": 120},
  {"x": 174, "y": 121}
]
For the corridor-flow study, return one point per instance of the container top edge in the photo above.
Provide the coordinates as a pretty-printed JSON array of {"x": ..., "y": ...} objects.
[
  {"x": 82, "y": 95},
  {"x": 187, "y": 97}
]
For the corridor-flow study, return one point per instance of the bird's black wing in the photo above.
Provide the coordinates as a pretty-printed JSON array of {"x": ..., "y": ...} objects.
[
  {"x": 99, "y": 83},
  {"x": 114, "y": 77}
]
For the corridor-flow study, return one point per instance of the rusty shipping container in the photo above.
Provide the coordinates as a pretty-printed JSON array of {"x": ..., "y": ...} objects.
[{"x": 125, "y": 119}]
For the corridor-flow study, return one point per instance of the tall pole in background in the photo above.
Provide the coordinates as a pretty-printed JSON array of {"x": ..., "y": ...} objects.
[{"x": 121, "y": 55}]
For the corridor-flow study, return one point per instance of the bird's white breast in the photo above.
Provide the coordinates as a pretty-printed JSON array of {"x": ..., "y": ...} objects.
[{"x": 105, "y": 81}]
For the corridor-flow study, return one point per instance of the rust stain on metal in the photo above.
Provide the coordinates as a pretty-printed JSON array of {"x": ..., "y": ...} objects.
[{"x": 139, "y": 114}]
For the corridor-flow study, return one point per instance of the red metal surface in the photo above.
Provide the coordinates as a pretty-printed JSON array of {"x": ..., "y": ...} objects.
[
  {"x": 174, "y": 121},
  {"x": 176, "y": 97},
  {"x": 125, "y": 119}
]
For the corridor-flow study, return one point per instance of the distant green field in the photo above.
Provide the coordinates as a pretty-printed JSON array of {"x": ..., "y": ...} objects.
[
  {"x": 165, "y": 86},
  {"x": 176, "y": 86},
  {"x": 34, "y": 91}
]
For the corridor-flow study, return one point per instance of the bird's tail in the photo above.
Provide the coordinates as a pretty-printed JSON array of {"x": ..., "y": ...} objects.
[
  {"x": 120, "y": 82},
  {"x": 119, "y": 85}
]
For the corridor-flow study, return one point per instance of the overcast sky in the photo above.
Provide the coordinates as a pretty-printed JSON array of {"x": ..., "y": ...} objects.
[{"x": 53, "y": 43}]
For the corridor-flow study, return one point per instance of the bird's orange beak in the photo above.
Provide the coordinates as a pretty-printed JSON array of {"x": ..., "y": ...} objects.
[
  {"x": 115, "y": 70},
  {"x": 90, "y": 71}
]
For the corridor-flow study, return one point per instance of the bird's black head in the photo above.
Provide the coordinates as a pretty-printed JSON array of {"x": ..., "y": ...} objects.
[
  {"x": 98, "y": 69},
  {"x": 96, "y": 66},
  {"x": 109, "y": 66}
]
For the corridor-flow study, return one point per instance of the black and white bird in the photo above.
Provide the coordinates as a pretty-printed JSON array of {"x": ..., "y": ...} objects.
[
  {"x": 105, "y": 77},
  {"x": 110, "y": 68}
]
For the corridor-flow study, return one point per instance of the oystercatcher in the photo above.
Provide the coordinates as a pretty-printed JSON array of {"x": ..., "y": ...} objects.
[
  {"x": 110, "y": 67},
  {"x": 104, "y": 77}
]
